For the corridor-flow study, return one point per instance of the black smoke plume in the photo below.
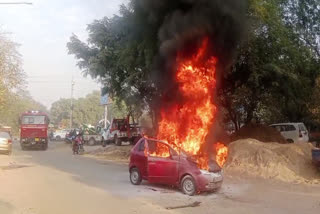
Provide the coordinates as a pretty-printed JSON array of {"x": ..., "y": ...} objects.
[{"x": 182, "y": 25}]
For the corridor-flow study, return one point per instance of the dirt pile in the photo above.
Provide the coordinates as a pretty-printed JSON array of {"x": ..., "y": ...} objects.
[
  {"x": 112, "y": 152},
  {"x": 259, "y": 132},
  {"x": 285, "y": 162}
]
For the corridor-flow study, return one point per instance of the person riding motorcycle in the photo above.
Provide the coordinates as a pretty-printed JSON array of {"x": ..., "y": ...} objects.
[{"x": 77, "y": 142}]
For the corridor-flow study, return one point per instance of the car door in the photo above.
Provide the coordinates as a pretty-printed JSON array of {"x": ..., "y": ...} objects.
[
  {"x": 162, "y": 167},
  {"x": 303, "y": 133},
  {"x": 141, "y": 158}
]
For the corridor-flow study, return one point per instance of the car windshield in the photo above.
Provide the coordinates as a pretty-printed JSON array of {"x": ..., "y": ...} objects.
[
  {"x": 4, "y": 135},
  {"x": 33, "y": 120}
]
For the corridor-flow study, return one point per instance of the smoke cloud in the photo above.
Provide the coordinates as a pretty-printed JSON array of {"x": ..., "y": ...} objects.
[{"x": 182, "y": 26}]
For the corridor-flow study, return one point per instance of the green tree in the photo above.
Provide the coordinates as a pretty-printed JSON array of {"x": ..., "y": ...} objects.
[
  {"x": 274, "y": 73},
  {"x": 17, "y": 103},
  {"x": 11, "y": 72},
  {"x": 87, "y": 110},
  {"x": 270, "y": 80}
]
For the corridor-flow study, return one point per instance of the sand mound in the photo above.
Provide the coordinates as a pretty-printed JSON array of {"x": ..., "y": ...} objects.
[
  {"x": 112, "y": 152},
  {"x": 285, "y": 162},
  {"x": 259, "y": 132}
]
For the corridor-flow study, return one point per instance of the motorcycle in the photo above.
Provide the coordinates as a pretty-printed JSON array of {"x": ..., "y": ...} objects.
[{"x": 77, "y": 145}]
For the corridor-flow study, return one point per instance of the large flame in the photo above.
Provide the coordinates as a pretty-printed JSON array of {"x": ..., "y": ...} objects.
[{"x": 186, "y": 125}]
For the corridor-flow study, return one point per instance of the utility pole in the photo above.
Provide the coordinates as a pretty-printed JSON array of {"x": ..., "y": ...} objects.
[{"x": 71, "y": 114}]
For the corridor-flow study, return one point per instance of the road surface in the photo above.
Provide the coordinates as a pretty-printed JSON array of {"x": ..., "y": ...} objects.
[{"x": 57, "y": 182}]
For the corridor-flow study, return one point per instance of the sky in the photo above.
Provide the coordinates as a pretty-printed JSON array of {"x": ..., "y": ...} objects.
[{"x": 43, "y": 30}]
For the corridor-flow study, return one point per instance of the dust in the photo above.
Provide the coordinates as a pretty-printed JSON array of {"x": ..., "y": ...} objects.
[{"x": 284, "y": 162}]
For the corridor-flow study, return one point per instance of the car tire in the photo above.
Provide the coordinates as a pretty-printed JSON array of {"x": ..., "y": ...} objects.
[
  {"x": 92, "y": 142},
  {"x": 58, "y": 138},
  {"x": 135, "y": 176},
  {"x": 117, "y": 141},
  {"x": 45, "y": 146},
  {"x": 188, "y": 185},
  {"x": 23, "y": 148},
  {"x": 104, "y": 143},
  {"x": 290, "y": 141}
]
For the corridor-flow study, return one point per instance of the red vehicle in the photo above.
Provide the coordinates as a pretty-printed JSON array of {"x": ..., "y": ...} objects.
[
  {"x": 121, "y": 130},
  {"x": 171, "y": 168},
  {"x": 34, "y": 130}
]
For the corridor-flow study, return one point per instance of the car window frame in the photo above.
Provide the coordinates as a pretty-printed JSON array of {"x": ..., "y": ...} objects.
[{"x": 154, "y": 141}]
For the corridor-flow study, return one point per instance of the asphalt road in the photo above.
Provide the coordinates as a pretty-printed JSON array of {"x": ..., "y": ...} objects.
[{"x": 57, "y": 182}]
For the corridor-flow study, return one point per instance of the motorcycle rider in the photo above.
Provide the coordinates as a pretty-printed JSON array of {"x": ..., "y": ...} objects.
[{"x": 77, "y": 142}]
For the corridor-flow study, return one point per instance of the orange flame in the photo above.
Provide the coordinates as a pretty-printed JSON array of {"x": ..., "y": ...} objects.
[
  {"x": 187, "y": 125},
  {"x": 221, "y": 153}
]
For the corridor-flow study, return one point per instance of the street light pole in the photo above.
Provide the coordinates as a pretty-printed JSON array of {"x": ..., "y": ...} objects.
[{"x": 71, "y": 115}]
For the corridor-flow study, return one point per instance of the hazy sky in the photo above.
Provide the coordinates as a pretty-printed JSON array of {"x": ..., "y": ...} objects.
[{"x": 43, "y": 30}]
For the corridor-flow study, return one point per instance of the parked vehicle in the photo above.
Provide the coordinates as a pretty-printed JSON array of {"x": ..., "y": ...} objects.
[
  {"x": 120, "y": 130},
  {"x": 316, "y": 157},
  {"x": 172, "y": 169},
  {"x": 34, "y": 130},
  {"x": 59, "y": 135},
  {"x": 68, "y": 137},
  {"x": 92, "y": 139},
  {"x": 293, "y": 132},
  {"x": 5, "y": 143}
]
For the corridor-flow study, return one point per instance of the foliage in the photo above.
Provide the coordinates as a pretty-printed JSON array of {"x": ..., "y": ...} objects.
[
  {"x": 17, "y": 103},
  {"x": 274, "y": 73},
  {"x": 86, "y": 110},
  {"x": 11, "y": 73},
  {"x": 13, "y": 99},
  {"x": 271, "y": 79}
]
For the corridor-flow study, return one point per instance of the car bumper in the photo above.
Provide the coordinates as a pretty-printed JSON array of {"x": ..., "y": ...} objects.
[
  {"x": 5, "y": 148},
  {"x": 209, "y": 181},
  {"x": 32, "y": 143}
]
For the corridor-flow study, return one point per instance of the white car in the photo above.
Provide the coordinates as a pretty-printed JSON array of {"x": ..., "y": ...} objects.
[
  {"x": 293, "y": 132},
  {"x": 59, "y": 134}
]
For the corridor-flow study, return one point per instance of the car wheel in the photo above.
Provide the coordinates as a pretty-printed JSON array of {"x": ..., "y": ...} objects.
[
  {"x": 45, "y": 146},
  {"x": 117, "y": 141},
  {"x": 188, "y": 185},
  {"x": 104, "y": 143},
  {"x": 92, "y": 142},
  {"x": 23, "y": 148},
  {"x": 290, "y": 141},
  {"x": 58, "y": 138},
  {"x": 135, "y": 176}
]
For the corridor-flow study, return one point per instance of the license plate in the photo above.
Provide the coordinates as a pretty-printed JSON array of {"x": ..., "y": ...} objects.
[{"x": 36, "y": 139}]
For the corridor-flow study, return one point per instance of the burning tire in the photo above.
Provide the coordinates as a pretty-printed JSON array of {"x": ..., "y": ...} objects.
[
  {"x": 135, "y": 176},
  {"x": 188, "y": 186}
]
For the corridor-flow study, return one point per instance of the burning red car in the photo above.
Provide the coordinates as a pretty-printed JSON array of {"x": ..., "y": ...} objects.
[{"x": 157, "y": 162}]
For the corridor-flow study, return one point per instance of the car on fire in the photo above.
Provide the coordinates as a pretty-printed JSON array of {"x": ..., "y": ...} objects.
[{"x": 157, "y": 162}]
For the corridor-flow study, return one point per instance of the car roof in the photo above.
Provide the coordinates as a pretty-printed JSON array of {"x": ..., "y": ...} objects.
[
  {"x": 154, "y": 139},
  {"x": 279, "y": 124}
]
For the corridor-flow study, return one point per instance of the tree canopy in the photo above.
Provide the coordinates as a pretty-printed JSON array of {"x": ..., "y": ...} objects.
[
  {"x": 270, "y": 80},
  {"x": 13, "y": 98}
]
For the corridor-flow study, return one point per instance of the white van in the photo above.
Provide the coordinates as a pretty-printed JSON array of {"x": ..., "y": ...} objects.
[{"x": 293, "y": 132}]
